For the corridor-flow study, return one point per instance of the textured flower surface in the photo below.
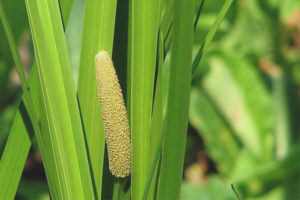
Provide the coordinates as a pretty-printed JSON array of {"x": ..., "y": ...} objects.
[{"x": 114, "y": 115}]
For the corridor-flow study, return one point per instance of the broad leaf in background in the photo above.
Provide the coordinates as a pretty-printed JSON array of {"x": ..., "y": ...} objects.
[
  {"x": 260, "y": 179},
  {"x": 286, "y": 8},
  {"x": 206, "y": 118},
  {"x": 235, "y": 86},
  {"x": 215, "y": 188},
  {"x": 251, "y": 19}
]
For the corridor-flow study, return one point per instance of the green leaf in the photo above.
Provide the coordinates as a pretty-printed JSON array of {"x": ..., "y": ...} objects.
[
  {"x": 6, "y": 119},
  {"x": 283, "y": 128},
  {"x": 252, "y": 19},
  {"x": 20, "y": 136},
  {"x": 268, "y": 176},
  {"x": 287, "y": 7},
  {"x": 18, "y": 24},
  {"x": 143, "y": 45},
  {"x": 98, "y": 34},
  {"x": 156, "y": 128},
  {"x": 17, "y": 146},
  {"x": 33, "y": 190},
  {"x": 250, "y": 119},
  {"x": 215, "y": 188},
  {"x": 211, "y": 33},
  {"x": 219, "y": 138},
  {"x": 178, "y": 102},
  {"x": 167, "y": 23},
  {"x": 27, "y": 96},
  {"x": 19, "y": 67},
  {"x": 67, "y": 168}
]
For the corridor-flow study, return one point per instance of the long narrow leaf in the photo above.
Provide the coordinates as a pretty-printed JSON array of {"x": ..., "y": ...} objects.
[
  {"x": 98, "y": 32},
  {"x": 19, "y": 140},
  {"x": 178, "y": 102},
  {"x": 9, "y": 183},
  {"x": 59, "y": 100},
  {"x": 143, "y": 38},
  {"x": 156, "y": 125},
  {"x": 210, "y": 35}
]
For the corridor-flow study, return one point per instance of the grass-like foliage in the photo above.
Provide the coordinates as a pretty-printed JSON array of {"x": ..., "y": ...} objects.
[{"x": 115, "y": 126}]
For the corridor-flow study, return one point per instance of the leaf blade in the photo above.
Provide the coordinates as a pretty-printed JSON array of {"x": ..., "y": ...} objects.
[{"x": 178, "y": 102}]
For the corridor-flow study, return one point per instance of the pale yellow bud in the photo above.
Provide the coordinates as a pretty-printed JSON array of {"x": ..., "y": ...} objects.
[{"x": 114, "y": 116}]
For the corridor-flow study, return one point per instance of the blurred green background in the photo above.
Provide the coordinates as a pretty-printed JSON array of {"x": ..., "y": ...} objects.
[{"x": 244, "y": 107}]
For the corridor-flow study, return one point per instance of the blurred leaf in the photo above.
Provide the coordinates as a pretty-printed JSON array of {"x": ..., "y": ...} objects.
[
  {"x": 282, "y": 115},
  {"x": 246, "y": 164},
  {"x": 215, "y": 188},
  {"x": 219, "y": 139},
  {"x": 18, "y": 23},
  {"x": 5, "y": 70},
  {"x": 33, "y": 190},
  {"x": 205, "y": 22},
  {"x": 287, "y": 7},
  {"x": 252, "y": 32},
  {"x": 235, "y": 85},
  {"x": 6, "y": 119},
  {"x": 211, "y": 33},
  {"x": 264, "y": 178}
]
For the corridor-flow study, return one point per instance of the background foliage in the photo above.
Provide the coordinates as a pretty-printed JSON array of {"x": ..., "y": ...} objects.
[{"x": 244, "y": 105}]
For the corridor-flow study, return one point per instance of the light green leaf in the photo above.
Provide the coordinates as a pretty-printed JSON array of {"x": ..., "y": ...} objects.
[
  {"x": 219, "y": 138},
  {"x": 98, "y": 34},
  {"x": 20, "y": 136},
  {"x": 67, "y": 170},
  {"x": 143, "y": 45},
  {"x": 234, "y": 84}
]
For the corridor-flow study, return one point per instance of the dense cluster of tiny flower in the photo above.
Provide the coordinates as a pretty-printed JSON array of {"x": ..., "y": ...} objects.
[{"x": 114, "y": 116}]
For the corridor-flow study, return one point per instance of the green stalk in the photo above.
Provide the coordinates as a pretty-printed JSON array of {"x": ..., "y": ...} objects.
[
  {"x": 143, "y": 39},
  {"x": 178, "y": 102},
  {"x": 98, "y": 34}
]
